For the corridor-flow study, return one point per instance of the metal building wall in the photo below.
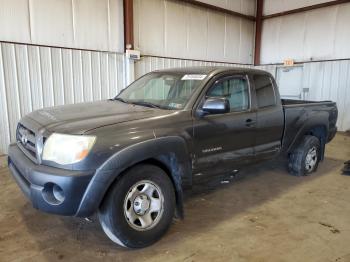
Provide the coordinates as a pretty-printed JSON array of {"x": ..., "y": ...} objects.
[
  {"x": 33, "y": 77},
  {"x": 277, "y": 6},
  {"x": 83, "y": 24},
  {"x": 180, "y": 30},
  {"x": 246, "y": 7},
  {"x": 321, "y": 34}
]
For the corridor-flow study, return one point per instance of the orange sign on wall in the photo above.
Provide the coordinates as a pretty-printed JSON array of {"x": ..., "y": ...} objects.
[{"x": 288, "y": 62}]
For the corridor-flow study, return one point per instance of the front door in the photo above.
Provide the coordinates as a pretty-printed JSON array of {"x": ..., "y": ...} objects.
[{"x": 223, "y": 142}]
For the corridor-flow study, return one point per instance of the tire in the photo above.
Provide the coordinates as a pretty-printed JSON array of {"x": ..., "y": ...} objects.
[
  {"x": 139, "y": 208},
  {"x": 305, "y": 158}
]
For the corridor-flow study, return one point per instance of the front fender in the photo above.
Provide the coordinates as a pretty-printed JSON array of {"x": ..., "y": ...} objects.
[{"x": 171, "y": 152}]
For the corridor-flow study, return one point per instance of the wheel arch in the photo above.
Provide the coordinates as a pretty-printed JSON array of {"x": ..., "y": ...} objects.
[
  {"x": 318, "y": 130},
  {"x": 168, "y": 153},
  {"x": 166, "y": 165}
]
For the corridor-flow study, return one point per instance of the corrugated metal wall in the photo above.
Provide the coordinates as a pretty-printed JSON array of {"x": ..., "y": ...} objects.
[
  {"x": 33, "y": 77},
  {"x": 246, "y": 7},
  {"x": 181, "y": 30},
  {"x": 321, "y": 34},
  {"x": 325, "y": 80},
  {"x": 277, "y": 6},
  {"x": 83, "y": 24}
]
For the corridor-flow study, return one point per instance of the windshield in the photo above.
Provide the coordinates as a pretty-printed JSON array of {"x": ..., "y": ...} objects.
[{"x": 162, "y": 90}]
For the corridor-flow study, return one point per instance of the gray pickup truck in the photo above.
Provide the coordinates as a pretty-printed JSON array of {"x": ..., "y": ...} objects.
[{"x": 129, "y": 158}]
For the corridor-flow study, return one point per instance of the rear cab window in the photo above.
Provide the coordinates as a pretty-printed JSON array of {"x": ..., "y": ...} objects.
[{"x": 265, "y": 93}]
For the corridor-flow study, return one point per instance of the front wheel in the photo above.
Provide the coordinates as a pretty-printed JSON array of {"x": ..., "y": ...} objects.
[
  {"x": 305, "y": 158},
  {"x": 139, "y": 208}
]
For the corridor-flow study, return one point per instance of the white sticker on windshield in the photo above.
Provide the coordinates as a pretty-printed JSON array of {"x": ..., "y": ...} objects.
[{"x": 193, "y": 77}]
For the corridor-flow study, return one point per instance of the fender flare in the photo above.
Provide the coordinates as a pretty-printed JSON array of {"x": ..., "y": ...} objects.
[
  {"x": 317, "y": 121},
  {"x": 170, "y": 151}
]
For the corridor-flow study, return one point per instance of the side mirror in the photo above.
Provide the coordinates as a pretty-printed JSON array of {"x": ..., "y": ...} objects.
[{"x": 216, "y": 105}]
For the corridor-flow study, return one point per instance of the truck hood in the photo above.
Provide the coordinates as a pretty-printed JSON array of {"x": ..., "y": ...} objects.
[{"x": 80, "y": 118}]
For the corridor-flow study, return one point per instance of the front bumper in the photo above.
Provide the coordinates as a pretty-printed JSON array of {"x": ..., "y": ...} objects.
[{"x": 37, "y": 181}]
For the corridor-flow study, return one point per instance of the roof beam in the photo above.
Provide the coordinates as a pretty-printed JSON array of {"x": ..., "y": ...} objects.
[
  {"x": 258, "y": 30},
  {"x": 306, "y": 8},
  {"x": 218, "y": 9},
  {"x": 128, "y": 24}
]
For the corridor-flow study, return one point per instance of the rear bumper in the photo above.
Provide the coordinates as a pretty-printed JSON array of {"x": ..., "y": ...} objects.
[{"x": 40, "y": 183}]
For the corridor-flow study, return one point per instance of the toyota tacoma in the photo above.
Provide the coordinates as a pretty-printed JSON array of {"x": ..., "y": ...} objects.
[{"x": 129, "y": 158}]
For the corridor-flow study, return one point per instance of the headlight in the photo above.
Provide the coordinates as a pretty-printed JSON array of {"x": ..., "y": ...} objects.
[{"x": 67, "y": 149}]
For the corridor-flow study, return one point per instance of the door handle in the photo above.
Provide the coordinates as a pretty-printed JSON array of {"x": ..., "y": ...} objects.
[{"x": 250, "y": 122}]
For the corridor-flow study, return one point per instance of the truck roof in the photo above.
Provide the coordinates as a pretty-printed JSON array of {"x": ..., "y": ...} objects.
[{"x": 210, "y": 70}]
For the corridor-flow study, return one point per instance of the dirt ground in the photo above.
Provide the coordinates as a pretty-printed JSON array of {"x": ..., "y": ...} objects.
[{"x": 266, "y": 215}]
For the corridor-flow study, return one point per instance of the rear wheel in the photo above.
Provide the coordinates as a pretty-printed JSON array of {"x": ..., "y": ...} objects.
[
  {"x": 139, "y": 208},
  {"x": 305, "y": 158}
]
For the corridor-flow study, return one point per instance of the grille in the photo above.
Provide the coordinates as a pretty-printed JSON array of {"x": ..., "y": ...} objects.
[{"x": 27, "y": 141}]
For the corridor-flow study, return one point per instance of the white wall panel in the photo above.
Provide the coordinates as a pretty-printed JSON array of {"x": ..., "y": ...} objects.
[
  {"x": 98, "y": 24},
  {"x": 233, "y": 29},
  {"x": 216, "y": 36},
  {"x": 87, "y": 79},
  {"x": 23, "y": 82},
  {"x": 342, "y": 32},
  {"x": 46, "y": 76},
  {"x": 181, "y": 30},
  {"x": 112, "y": 76},
  {"x": 321, "y": 34},
  {"x": 35, "y": 81},
  {"x": 277, "y": 6},
  {"x": 149, "y": 26},
  {"x": 175, "y": 35},
  {"x": 33, "y": 77},
  {"x": 104, "y": 73},
  {"x": 51, "y": 22},
  {"x": 4, "y": 116},
  {"x": 296, "y": 32},
  {"x": 67, "y": 74},
  {"x": 57, "y": 76},
  {"x": 84, "y": 24},
  {"x": 96, "y": 77},
  {"x": 246, "y": 7},
  {"x": 15, "y": 21},
  {"x": 246, "y": 47},
  {"x": 11, "y": 86},
  {"x": 197, "y": 34}
]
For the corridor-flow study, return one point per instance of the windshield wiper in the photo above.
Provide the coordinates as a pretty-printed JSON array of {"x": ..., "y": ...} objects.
[{"x": 143, "y": 103}]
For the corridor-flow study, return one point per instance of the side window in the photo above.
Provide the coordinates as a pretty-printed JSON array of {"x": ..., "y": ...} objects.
[
  {"x": 265, "y": 94},
  {"x": 235, "y": 90}
]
